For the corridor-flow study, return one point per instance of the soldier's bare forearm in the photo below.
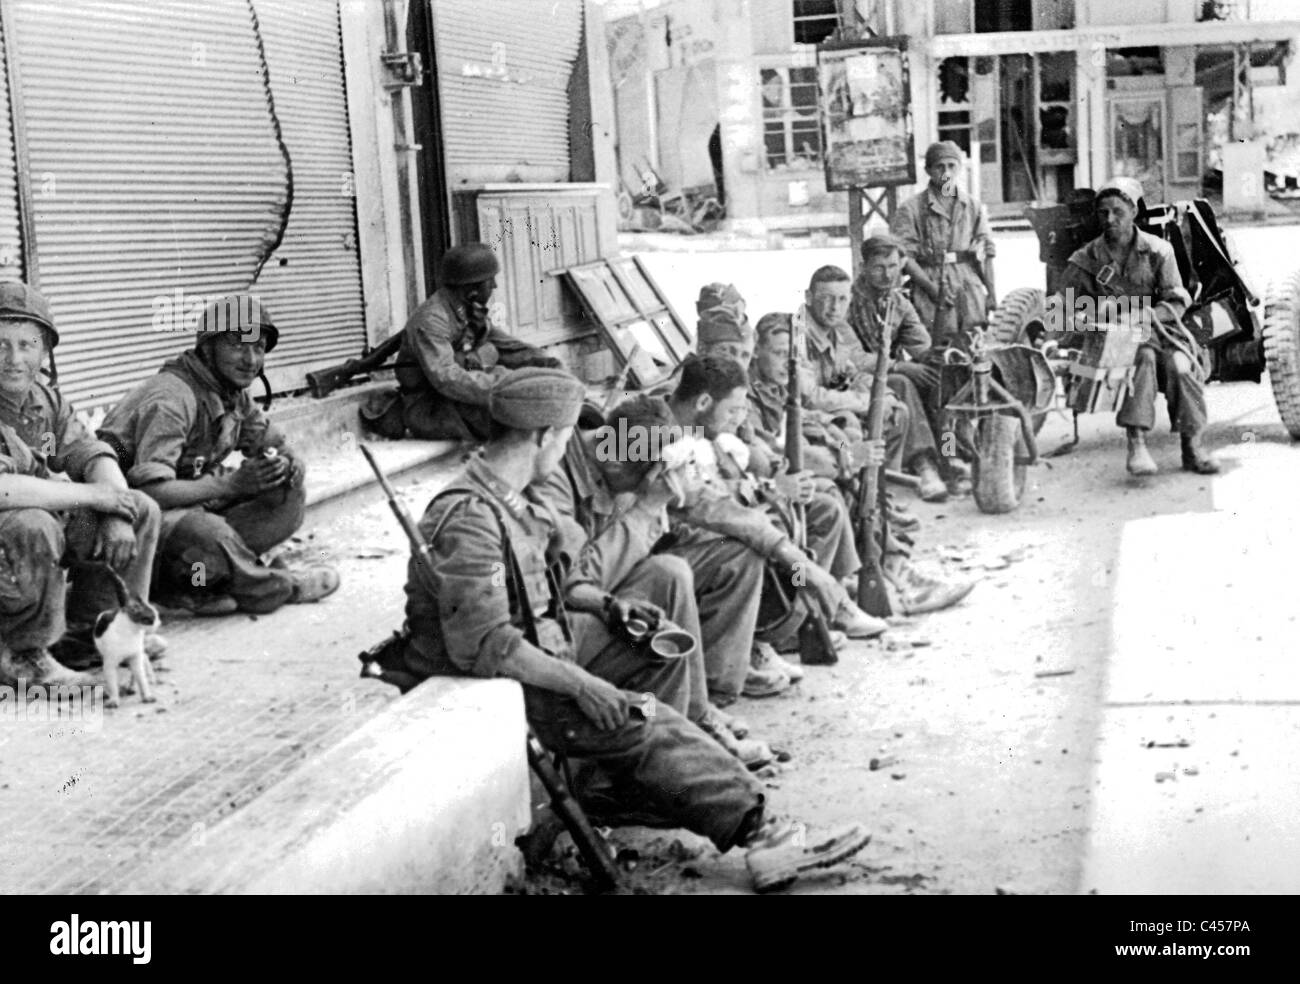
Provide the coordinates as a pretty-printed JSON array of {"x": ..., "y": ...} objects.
[
  {"x": 177, "y": 493},
  {"x": 537, "y": 668},
  {"x": 921, "y": 278},
  {"x": 30, "y": 492},
  {"x": 106, "y": 471}
]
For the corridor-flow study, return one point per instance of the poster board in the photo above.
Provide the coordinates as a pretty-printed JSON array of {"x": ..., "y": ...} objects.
[{"x": 866, "y": 109}]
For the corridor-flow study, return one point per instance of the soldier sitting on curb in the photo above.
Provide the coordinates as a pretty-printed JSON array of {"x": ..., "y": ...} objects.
[
  {"x": 451, "y": 353},
  {"x": 175, "y": 430},
  {"x": 87, "y": 522},
  {"x": 643, "y": 762}
]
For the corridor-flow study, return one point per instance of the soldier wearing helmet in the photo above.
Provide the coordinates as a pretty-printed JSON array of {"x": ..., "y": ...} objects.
[
  {"x": 451, "y": 353},
  {"x": 174, "y": 432},
  {"x": 46, "y": 523}
]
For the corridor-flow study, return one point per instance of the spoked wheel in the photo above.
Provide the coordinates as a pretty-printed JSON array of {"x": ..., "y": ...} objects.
[{"x": 999, "y": 481}]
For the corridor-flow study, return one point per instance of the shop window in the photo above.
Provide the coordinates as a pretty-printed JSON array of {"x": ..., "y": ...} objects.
[
  {"x": 1003, "y": 15},
  {"x": 814, "y": 20},
  {"x": 792, "y": 136},
  {"x": 1135, "y": 61},
  {"x": 954, "y": 101},
  {"x": 1055, "y": 108}
]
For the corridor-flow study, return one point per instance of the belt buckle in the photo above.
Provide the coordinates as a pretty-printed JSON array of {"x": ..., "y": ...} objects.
[{"x": 950, "y": 256}]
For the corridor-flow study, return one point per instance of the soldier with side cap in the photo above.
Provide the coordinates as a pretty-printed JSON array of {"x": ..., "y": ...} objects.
[
  {"x": 1125, "y": 262},
  {"x": 451, "y": 352},
  {"x": 173, "y": 433},
  {"x": 45, "y": 524},
  {"x": 641, "y": 762}
]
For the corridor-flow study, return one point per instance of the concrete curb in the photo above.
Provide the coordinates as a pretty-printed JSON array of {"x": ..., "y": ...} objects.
[{"x": 426, "y": 797}]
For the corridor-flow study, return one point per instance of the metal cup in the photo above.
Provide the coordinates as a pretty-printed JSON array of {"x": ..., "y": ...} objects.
[
  {"x": 637, "y": 629},
  {"x": 671, "y": 644}
]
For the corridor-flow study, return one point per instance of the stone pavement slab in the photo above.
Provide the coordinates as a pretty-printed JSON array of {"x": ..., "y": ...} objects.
[{"x": 244, "y": 700}]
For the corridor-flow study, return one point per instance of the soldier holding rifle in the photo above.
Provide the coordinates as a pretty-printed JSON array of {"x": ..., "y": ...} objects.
[{"x": 582, "y": 685}]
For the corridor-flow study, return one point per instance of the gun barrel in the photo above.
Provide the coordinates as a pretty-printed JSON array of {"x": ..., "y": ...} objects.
[{"x": 419, "y": 549}]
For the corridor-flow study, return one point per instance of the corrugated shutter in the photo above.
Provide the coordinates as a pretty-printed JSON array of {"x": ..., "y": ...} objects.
[
  {"x": 161, "y": 177},
  {"x": 503, "y": 76},
  {"x": 313, "y": 283},
  {"x": 11, "y": 252}
]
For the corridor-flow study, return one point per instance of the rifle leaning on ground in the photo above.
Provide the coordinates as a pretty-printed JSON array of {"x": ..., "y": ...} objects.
[
  {"x": 872, "y": 596},
  {"x": 815, "y": 645},
  {"x": 589, "y": 845}
]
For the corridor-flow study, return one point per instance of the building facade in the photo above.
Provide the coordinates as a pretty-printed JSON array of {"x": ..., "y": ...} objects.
[
  {"x": 321, "y": 154},
  {"x": 1044, "y": 95}
]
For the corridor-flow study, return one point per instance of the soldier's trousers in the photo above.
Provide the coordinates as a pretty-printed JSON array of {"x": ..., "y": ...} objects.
[
  {"x": 666, "y": 581},
  {"x": 658, "y": 770},
  {"x": 728, "y": 583},
  {"x": 215, "y": 552},
  {"x": 918, "y": 437},
  {"x": 431, "y": 417},
  {"x": 36, "y": 604},
  {"x": 830, "y": 531},
  {"x": 1183, "y": 391}
]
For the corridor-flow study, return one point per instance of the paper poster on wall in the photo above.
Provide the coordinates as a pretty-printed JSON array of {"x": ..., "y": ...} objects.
[{"x": 866, "y": 101}]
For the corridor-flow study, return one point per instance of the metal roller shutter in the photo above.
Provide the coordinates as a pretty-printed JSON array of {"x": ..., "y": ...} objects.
[
  {"x": 161, "y": 176},
  {"x": 11, "y": 252},
  {"x": 313, "y": 283},
  {"x": 503, "y": 77}
]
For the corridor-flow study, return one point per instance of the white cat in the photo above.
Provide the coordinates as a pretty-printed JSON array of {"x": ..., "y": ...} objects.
[{"x": 119, "y": 638}]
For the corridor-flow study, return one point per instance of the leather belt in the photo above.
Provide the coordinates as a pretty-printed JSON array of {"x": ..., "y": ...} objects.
[{"x": 952, "y": 256}]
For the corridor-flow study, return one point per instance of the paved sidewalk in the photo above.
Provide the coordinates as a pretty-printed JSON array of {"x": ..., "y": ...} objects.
[{"x": 243, "y": 701}]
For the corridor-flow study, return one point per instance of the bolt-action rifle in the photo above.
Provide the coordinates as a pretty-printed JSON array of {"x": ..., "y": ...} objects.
[
  {"x": 815, "y": 644},
  {"x": 872, "y": 596}
]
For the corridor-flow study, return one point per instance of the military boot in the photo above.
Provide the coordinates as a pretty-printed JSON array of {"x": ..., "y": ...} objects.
[
  {"x": 1140, "y": 461},
  {"x": 40, "y": 669},
  {"x": 1196, "y": 458}
]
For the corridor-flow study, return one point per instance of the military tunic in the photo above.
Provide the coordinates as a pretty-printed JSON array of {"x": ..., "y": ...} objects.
[
  {"x": 945, "y": 236},
  {"x": 726, "y": 564},
  {"x": 447, "y": 363},
  {"x": 1146, "y": 270},
  {"x": 468, "y": 619},
  {"x": 41, "y": 435},
  {"x": 182, "y": 424}
]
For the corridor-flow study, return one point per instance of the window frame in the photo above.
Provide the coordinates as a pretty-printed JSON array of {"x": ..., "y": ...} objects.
[
  {"x": 788, "y": 114},
  {"x": 796, "y": 19}
]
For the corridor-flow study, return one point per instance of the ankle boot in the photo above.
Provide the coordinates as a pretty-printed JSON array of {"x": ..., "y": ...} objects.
[
  {"x": 1140, "y": 461},
  {"x": 1195, "y": 457}
]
